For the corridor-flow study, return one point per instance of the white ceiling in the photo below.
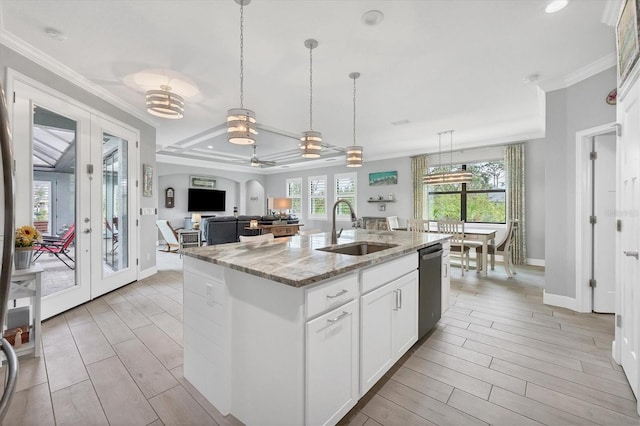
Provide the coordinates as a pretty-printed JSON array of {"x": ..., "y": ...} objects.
[{"x": 438, "y": 64}]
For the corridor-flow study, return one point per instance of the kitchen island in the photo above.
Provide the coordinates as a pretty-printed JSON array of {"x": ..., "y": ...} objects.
[{"x": 281, "y": 332}]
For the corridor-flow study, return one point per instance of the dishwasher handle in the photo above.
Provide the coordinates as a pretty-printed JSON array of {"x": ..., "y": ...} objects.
[{"x": 432, "y": 255}]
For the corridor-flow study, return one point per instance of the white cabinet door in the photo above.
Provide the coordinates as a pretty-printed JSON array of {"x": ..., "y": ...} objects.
[
  {"x": 376, "y": 338},
  {"x": 405, "y": 314},
  {"x": 389, "y": 327},
  {"x": 332, "y": 365}
]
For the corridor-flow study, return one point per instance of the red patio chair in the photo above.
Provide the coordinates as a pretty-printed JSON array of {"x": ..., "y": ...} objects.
[{"x": 57, "y": 246}]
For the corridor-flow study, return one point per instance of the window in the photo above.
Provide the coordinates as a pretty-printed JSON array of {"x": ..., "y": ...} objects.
[
  {"x": 481, "y": 201},
  {"x": 346, "y": 187},
  {"x": 42, "y": 205},
  {"x": 294, "y": 191},
  {"x": 317, "y": 197}
]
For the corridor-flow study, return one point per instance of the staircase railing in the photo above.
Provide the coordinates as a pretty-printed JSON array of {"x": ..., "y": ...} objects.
[{"x": 6, "y": 151}]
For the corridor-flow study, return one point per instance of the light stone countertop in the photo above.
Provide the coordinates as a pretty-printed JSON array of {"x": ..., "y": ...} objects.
[{"x": 295, "y": 261}]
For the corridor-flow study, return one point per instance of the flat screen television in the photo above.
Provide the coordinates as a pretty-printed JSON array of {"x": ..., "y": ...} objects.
[{"x": 206, "y": 200}]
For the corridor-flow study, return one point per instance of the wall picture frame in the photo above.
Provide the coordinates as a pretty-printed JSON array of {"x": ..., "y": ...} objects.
[
  {"x": 202, "y": 182},
  {"x": 627, "y": 44},
  {"x": 147, "y": 180},
  {"x": 383, "y": 178}
]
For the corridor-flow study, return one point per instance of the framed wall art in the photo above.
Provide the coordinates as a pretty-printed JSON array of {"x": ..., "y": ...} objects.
[
  {"x": 383, "y": 178},
  {"x": 627, "y": 39},
  {"x": 147, "y": 180},
  {"x": 202, "y": 182}
]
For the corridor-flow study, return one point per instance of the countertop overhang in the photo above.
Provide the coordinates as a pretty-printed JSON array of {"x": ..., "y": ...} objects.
[{"x": 295, "y": 261}]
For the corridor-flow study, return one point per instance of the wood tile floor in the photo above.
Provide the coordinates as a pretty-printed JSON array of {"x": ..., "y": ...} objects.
[{"x": 498, "y": 356}]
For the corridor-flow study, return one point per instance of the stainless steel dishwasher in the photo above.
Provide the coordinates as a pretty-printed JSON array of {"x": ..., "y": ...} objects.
[{"x": 430, "y": 288}]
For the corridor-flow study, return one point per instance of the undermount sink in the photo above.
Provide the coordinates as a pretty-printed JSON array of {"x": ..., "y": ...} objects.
[{"x": 358, "y": 249}]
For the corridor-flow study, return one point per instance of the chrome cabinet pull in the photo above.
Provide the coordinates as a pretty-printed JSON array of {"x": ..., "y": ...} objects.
[
  {"x": 395, "y": 294},
  {"x": 338, "y": 318},
  {"x": 400, "y": 297},
  {"x": 340, "y": 293},
  {"x": 631, "y": 254}
]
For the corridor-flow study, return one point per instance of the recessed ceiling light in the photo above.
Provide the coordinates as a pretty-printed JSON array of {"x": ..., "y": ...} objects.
[
  {"x": 556, "y": 5},
  {"x": 55, "y": 34},
  {"x": 210, "y": 146},
  {"x": 372, "y": 17}
]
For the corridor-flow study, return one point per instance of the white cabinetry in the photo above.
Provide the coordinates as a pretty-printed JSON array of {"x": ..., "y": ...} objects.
[
  {"x": 332, "y": 365},
  {"x": 388, "y": 326},
  {"x": 446, "y": 275}
]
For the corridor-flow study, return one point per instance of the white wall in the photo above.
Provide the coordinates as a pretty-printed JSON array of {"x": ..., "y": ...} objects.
[{"x": 575, "y": 108}]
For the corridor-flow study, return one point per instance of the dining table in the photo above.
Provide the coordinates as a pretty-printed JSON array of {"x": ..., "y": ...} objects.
[{"x": 485, "y": 236}]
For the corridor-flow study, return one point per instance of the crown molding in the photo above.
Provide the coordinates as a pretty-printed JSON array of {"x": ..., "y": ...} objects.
[
  {"x": 579, "y": 75},
  {"x": 30, "y": 52}
]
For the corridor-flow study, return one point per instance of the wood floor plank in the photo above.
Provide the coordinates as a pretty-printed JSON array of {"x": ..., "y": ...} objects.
[
  {"x": 487, "y": 411},
  {"x": 607, "y": 373},
  {"x": 424, "y": 384},
  {"x": 449, "y": 376},
  {"x": 534, "y": 410},
  {"x": 516, "y": 347},
  {"x": 454, "y": 322},
  {"x": 578, "y": 407},
  {"x": 473, "y": 370},
  {"x": 447, "y": 337},
  {"x": 459, "y": 352},
  {"x": 428, "y": 408},
  {"x": 386, "y": 412},
  {"x": 557, "y": 337},
  {"x": 353, "y": 418},
  {"x": 593, "y": 396},
  {"x": 468, "y": 318}
]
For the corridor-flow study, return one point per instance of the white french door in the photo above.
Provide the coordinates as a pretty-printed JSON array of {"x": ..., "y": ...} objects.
[{"x": 90, "y": 164}]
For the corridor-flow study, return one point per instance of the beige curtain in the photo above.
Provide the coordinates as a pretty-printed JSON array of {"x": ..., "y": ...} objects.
[
  {"x": 514, "y": 164},
  {"x": 419, "y": 166}
]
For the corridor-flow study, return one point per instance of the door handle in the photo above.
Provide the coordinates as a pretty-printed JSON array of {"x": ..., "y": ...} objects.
[
  {"x": 87, "y": 230},
  {"x": 631, "y": 254}
]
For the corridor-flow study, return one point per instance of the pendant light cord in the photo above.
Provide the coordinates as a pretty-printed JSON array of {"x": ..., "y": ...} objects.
[
  {"x": 354, "y": 110},
  {"x": 241, "y": 55},
  {"x": 310, "y": 88}
]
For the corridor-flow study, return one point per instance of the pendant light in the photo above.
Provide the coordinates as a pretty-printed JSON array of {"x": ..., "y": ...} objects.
[
  {"x": 165, "y": 103},
  {"x": 354, "y": 152},
  {"x": 452, "y": 176},
  {"x": 311, "y": 141},
  {"x": 241, "y": 122}
]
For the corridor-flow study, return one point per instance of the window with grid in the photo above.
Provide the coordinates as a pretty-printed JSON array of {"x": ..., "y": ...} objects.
[
  {"x": 294, "y": 191},
  {"x": 346, "y": 188},
  {"x": 317, "y": 197},
  {"x": 481, "y": 201}
]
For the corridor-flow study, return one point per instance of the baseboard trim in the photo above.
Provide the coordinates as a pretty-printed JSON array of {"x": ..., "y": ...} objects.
[
  {"x": 147, "y": 272},
  {"x": 535, "y": 262},
  {"x": 559, "y": 301}
]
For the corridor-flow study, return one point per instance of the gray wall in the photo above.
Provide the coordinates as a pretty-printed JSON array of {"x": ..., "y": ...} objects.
[
  {"x": 11, "y": 59},
  {"x": 239, "y": 187},
  {"x": 535, "y": 199},
  {"x": 402, "y": 192},
  {"x": 578, "y": 107}
]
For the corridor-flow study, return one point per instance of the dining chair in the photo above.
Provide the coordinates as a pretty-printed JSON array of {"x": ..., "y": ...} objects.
[
  {"x": 392, "y": 223},
  {"x": 504, "y": 248},
  {"x": 455, "y": 228},
  {"x": 169, "y": 234},
  {"x": 255, "y": 238},
  {"x": 417, "y": 225}
]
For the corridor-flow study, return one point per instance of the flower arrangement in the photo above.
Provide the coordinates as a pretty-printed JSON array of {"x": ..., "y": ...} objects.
[{"x": 26, "y": 236}]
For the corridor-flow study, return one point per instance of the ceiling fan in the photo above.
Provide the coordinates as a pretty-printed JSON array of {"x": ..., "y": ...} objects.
[{"x": 256, "y": 162}]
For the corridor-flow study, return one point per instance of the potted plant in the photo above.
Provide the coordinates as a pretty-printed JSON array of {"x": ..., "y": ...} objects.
[{"x": 26, "y": 237}]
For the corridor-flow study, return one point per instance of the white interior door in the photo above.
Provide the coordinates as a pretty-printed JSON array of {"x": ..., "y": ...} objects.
[
  {"x": 113, "y": 224},
  {"x": 629, "y": 237},
  {"x": 604, "y": 230}
]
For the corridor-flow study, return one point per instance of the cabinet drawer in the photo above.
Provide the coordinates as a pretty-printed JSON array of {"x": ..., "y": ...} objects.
[
  {"x": 331, "y": 294},
  {"x": 378, "y": 275}
]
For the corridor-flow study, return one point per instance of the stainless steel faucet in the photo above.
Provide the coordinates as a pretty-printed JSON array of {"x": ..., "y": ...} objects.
[{"x": 334, "y": 235}]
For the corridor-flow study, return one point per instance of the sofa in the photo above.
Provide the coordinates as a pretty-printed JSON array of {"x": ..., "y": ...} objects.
[{"x": 225, "y": 229}]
